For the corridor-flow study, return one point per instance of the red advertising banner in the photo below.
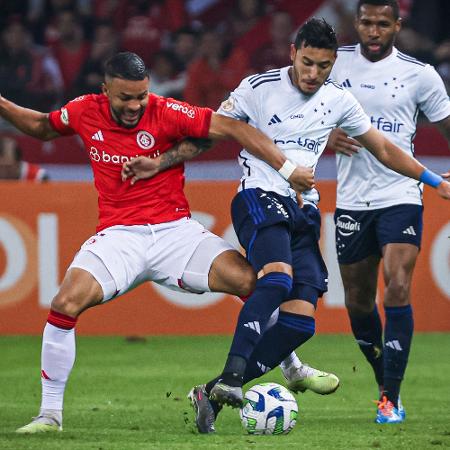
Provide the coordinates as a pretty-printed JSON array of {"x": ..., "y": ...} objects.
[{"x": 43, "y": 226}]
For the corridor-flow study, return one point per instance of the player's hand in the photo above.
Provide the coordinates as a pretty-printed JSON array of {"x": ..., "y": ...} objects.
[
  {"x": 302, "y": 179},
  {"x": 444, "y": 189},
  {"x": 140, "y": 168},
  {"x": 339, "y": 142}
]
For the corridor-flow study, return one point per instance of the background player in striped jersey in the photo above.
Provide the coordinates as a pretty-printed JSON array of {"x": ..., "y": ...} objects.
[
  {"x": 297, "y": 107},
  {"x": 385, "y": 207},
  {"x": 145, "y": 232}
]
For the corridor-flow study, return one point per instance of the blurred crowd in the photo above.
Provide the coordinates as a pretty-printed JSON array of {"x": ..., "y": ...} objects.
[{"x": 197, "y": 50}]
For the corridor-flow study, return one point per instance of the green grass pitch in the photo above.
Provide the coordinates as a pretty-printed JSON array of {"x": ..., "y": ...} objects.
[{"x": 131, "y": 394}]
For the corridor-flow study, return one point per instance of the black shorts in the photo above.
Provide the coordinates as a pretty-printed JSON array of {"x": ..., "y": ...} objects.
[
  {"x": 360, "y": 234},
  {"x": 254, "y": 209}
]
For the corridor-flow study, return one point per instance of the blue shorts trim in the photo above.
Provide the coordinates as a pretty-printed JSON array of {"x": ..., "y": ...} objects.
[{"x": 360, "y": 234}]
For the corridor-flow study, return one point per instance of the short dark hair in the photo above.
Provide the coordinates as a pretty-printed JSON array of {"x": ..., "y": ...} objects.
[
  {"x": 126, "y": 65},
  {"x": 392, "y": 3},
  {"x": 316, "y": 33}
]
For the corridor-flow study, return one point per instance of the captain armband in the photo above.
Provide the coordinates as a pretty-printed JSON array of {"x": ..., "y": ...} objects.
[
  {"x": 430, "y": 178},
  {"x": 287, "y": 169}
]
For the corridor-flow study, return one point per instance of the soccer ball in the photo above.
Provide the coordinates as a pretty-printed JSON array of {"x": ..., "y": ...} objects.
[{"x": 268, "y": 408}]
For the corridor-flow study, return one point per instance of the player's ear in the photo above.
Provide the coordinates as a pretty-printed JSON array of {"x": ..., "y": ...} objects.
[
  {"x": 293, "y": 52},
  {"x": 104, "y": 89},
  {"x": 398, "y": 25}
]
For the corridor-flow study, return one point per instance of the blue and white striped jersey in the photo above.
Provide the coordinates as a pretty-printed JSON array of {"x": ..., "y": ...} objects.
[
  {"x": 298, "y": 124},
  {"x": 391, "y": 91}
]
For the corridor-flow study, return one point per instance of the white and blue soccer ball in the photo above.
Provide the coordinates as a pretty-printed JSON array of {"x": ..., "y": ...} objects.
[{"x": 268, "y": 408}]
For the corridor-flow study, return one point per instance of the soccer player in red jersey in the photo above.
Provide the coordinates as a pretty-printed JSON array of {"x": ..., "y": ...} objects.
[{"x": 145, "y": 232}]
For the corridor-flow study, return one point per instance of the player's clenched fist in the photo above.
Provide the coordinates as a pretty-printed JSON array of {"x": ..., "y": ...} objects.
[
  {"x": 444, "y": 187},
  {"x": 302, "y": 179},
  {"x": 140, "y": 168}
]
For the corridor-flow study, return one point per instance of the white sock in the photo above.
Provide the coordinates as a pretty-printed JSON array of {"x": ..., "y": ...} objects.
[
  {"x": 292, "y": 362},
  {"x": 57, "y": 359}
]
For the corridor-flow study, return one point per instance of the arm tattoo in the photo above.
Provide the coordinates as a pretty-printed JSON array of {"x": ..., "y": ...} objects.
[{"x": 184, "y": 151}]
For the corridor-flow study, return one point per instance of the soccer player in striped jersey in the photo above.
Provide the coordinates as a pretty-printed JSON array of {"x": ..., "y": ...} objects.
[
  {"x": 298, "y": 107},
  {"x": 383, "y": 207}
]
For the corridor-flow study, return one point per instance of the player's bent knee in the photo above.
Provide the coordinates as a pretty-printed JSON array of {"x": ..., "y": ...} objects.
[
  {"x": 247, "y": 283},
  {"x": 398, "y": 291},
  {"x": 70, "y": 304}
]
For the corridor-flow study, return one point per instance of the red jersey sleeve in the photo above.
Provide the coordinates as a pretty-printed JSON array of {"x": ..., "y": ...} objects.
[
  {"x": 67, "y": 119},
  {"x": 186, "y": 120}
]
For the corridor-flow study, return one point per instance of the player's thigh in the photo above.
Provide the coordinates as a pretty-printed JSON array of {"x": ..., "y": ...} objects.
[
  {"x": 399, "y": 261},
  {"x": 192, "y": 259},
  {"x": 79, "y": 291},
  {"x": 356, "y": 235},
  {"x": 263, "y": 223},
  {"x": 231, "y": 273},
  {"x": 399, "y": 230},
  {"x": 115, "y": 257}
]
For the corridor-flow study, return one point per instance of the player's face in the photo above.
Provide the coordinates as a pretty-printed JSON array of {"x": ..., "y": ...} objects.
[
  {"x": 311, "y": 66},
  {"x": 376, "y": 28},
  {"x": 128, "y": 100}
]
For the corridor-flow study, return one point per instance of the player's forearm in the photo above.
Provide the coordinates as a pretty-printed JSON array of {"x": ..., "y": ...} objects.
[
  {"x": 253, "y": 140},
  {"x": 396, "y": 159},
  {"x": 390, "y": 155},
  {"x": 29, "y": 121},
  {"x": 183, "y": 151}
]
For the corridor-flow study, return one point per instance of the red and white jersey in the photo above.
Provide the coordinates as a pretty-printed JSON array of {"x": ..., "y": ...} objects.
[{"x": 165, "y": 122}]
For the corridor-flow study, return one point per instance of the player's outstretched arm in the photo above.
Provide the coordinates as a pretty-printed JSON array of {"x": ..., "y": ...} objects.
[
  {"x": 142, "y": 167},
  {"x": 259, "y": 145},
  {"x": 393, "y": 157},
  {"x": 339, "y": 142},
  {"x": 29, "y": 121}
]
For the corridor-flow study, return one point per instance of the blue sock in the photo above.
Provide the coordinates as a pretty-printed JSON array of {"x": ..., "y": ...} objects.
[
  {"x": 271, "y": 290},
  {"x": 279, "y": 341},
  {"x": 368, "y": 332},
  {"x": 398, "y": 332}
]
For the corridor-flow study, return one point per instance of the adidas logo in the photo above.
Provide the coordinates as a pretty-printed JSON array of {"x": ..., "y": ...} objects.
[
  {"x": 346, "y": 83},
  {"x": 253, "y": 326},
  {"x": 263, "y": 368},
  {"x": 98, "y": 136},
  {"x": 274, "y": 119},
  {"x": 410, "y": 230},
  {"x": 394, "y": 345}
]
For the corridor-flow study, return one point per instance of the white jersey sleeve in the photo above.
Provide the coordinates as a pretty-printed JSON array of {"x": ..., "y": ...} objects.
[
  {"x": 355, "y": 121},
  {"x": 240, "y": 104},
  {"x": 432, "y": 98}
]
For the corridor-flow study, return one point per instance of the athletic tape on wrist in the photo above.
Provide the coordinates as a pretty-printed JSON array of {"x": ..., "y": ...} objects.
[
  {"x": 430, "y": 178},
  {"x": 287, "y": 169}
]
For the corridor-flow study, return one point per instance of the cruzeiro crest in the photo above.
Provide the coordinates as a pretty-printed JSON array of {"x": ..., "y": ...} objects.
[{"x": 145, "y": 140}]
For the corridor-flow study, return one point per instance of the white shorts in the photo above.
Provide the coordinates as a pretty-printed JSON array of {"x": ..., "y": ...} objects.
[{"x": 175, "y": 254}]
